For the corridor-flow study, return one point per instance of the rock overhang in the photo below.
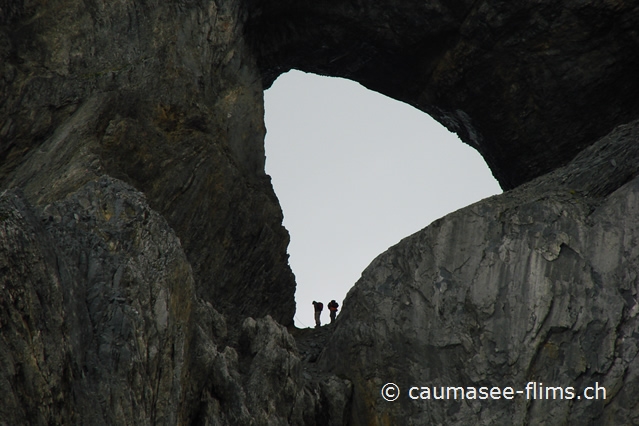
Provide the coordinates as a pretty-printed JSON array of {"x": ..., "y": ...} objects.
[{"x": 528, "y": 84}]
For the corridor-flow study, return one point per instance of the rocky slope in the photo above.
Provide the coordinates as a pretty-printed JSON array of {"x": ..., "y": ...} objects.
[
  {"x": 132, "y": 141},
  {"x": 536, "y": 285},
  {"x": 143, "y": 267}
]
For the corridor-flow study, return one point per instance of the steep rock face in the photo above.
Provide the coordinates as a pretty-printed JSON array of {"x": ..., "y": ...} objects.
[
  {"x": 139, "y": 229},
  {"x": 96, "y": 305},
  {"x": 536, "y": 285},
  {"x": 100, "y": 324},
  {"x": 163, "y": 96},
  {"x": 516, "y": 80}
]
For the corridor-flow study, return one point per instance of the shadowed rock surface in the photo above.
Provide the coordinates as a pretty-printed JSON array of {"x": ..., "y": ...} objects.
[
  {"x": 97, "y": 297},
  {"x": 529, "y": 84},
  {"x": 143, "y": 269},
  {"x": 163, "y": 96}
]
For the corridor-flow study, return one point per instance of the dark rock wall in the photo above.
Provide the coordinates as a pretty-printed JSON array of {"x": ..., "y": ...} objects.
[
  {"x": 516, "y": 80},
  {"x": 165, "y": 97},
  {"x": 96, "y": 307},
  {"x": 138, "y": 228}
]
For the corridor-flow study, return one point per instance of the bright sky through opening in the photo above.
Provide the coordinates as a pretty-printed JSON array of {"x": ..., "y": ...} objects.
[{"x": 355, "y": 172}]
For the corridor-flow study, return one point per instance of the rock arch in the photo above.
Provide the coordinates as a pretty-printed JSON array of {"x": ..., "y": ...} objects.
[{"x": 517, "y": 81}]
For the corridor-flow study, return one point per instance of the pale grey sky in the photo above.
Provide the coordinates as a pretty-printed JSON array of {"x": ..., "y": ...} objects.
[{"x": 355, "y": 172}]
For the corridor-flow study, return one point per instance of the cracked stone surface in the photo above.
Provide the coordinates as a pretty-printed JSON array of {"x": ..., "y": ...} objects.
[{"x": 534, "y": 285}]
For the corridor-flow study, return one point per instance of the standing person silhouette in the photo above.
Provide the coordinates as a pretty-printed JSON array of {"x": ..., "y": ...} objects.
[
  {"x": 318, "y": 311},
  {"x": 332, "y": 306}
]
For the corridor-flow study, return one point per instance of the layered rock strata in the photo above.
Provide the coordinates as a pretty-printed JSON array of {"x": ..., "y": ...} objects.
[{"x": 165, "y": 97}]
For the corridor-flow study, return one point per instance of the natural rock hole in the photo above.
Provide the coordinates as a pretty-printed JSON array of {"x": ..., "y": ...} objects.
[{"x": 355, "y": 172}]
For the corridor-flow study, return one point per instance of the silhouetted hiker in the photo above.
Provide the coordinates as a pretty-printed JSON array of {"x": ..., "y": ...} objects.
[
  {"x": 333, "y": 308},
  {"x": 318, "y": 311}
]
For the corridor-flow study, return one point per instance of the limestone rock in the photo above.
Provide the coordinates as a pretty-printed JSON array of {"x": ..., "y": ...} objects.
[
  {"x": 165, "y": 97},
  {"x": 97, "y": 296},
  {"x": 100, "y": 324},
  {"x": 262, "y": 382},
  {"x": 536, "y": 285}
]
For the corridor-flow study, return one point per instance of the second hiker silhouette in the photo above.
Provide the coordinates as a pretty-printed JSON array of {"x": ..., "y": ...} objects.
[
  {"x": 318, "y": 311},
  {"x": 332, "y": 306}
]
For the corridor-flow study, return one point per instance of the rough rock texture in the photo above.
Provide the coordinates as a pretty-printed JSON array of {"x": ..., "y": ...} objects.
[
  {"x": 163, "y": 96},
  {"x": 536, "y": 285},
  {"x": 139, "y": 229},
  {"x": 516, "y": 80},
  {"x": 96, "y": 303},
  {"x": 260, "y": 383},
  {"x": 143, "y": 266},
  {"x": 100, "y": 324}
]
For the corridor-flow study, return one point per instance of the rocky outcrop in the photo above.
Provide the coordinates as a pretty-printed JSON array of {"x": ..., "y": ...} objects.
[
  {"x": 96, "y": 309},
  {"x": 263, "y": 382},
  {"x": 536, "y": 285},
  {"x": 139, "y": 230},
  {"x": 143, "y": 265},
  {"x": 100, "y": 324},
  {"x": 164, "y": 97}
]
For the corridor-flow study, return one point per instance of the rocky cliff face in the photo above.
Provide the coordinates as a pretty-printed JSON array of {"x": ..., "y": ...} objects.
[
  {"x": 143, "y": 266},
  {"x": 164, "y": 97},
  {"x": 132, "y": 144},
  {"x": 536, "y": 285}
]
